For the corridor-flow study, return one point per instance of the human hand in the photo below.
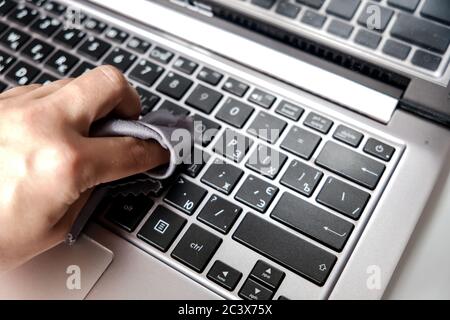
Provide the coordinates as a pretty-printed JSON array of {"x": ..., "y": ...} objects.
[{"x": 48, "y": 162}]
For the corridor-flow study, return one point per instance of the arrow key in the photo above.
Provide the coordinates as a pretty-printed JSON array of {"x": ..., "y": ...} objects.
[
  {"x": 224, "y": 275},
  {"x": 268, "y": 275},
  {"x": 252, "y": 290}
]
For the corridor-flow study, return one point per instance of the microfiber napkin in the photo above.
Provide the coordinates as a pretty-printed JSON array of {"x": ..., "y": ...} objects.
[{"x": 159, "y": 126}]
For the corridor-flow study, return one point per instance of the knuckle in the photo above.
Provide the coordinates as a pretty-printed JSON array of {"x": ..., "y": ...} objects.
[{"x": 115, "y": 76}]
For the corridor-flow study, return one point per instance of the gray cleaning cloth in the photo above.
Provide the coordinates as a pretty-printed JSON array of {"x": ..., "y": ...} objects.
[
  {"x": 174, "y": 133},
  {"x": 159, "y": 126}
]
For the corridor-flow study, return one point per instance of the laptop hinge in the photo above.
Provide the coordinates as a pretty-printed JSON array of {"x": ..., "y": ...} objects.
[{"x": 196, "y": 6}]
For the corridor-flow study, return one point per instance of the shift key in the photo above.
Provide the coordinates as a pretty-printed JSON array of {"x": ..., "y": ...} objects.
[
  {"x": 351, "y": 165},
  {"x": 283, "y": 247}
]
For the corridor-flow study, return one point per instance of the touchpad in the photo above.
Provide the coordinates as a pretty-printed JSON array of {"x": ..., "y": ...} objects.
[{"x": 65, "y": 272}]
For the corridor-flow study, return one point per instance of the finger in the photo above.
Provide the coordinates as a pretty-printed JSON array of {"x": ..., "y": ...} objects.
[
  {"x": 97, "y": 93},
  {"x": 19, "y": 91},
  {"x": 116, "y": 158},
  {"x": 50, "y": 88}
]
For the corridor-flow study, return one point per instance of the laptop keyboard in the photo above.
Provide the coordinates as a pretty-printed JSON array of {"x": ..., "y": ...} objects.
[
  {"x": 414, "y": 33},
  {"x": 287, "y": 201}
]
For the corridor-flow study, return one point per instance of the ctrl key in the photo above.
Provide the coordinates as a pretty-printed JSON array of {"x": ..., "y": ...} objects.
[{"x": 196, "y": 248}]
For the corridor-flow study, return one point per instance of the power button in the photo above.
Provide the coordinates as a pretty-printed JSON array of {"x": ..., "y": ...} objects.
[{"x": 379, "y": 149}]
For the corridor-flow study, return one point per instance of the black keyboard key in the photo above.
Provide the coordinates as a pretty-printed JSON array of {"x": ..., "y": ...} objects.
[
  {"x": 340, "y": 29},
  {"x": 438, "y": 10},
  {"x": 426, "y": 60},
  {"x": 197, "y": 162},
  {"x": 301, "y": 142},
  {"x": 408, "y": 5},
  {"x": 3, "y": 86},
  {"x": 185, "y": 65},
  {"x": 38, "y": 50},
  {"x": 121, "y": 59},
  {"x": 14, "y": 39},
  {"x": 367, "y": 39},
  {"x": 222, "y": 176},
  {"x": 396, "y": 49},
  {"x": 62, "y": 62},
  {"x": 23, "y": 15},
  {"x": 368, "y": 20},
  {"x": 6, "y": 61},
  {"x": 312, "y": 221},
  {"x": 116, "y": 35},
  {"x": 95, "y": 25},
  {"x": 138, "y": 45},
  {"x": 318, "y": 122},
  {"x": 316, "y": 4},
  {"x": 379, "y": 149},
  {"x": 235, "y": 113},
  {"x": 173, "y": 108},
  {"x": 285, "y": 248},
  {"x": 82, "y": 69},
  {"x": 205, "y": 130},
  {"x": 174, "y": 85},
  {"x": 289, "y": 110},
  {"x": 46, "y": 26},
  {"x": 233, "y": 145},
  {"x": 161, "y": 55},
  {"x": 343, "y": 198},
  {"x": 70, "y": 37},
  {"x": 127, "y": 212},
  {"x": 204, "y": 99},
  {"x": 266, "y": 161},
  {"x": 421, "y": 32},
  {"x": 22, "y": 73},
  {"x": 348, "y": 136},
  {"x": 344, "y": 9},
  {"x": 256, "y": 193},
  {"x": 268, "y": 275},
  {"x": 351, "y": 165},
  {"x": 235, "y": 87},
  {"x": 196, "y": 248},
  {"x": 261, "y": 98},
  {"x": 288, "y": 9},
  {"x": 224, "y": 275},
  {"x": 94, "y": 48},
  {"x": 3, "y": 27},
  {"x": 161, "y": 229},
  {"x": 314, "y": 19},
  {"x": 267, "y": 127},
  {"x": 266, "y": 4},
  {"x": 252, "y": 290},
  {"x": 6, "y": 6},
  {"x": 219, "y": 214},
  {"x": 185, "y": 196},
  {"x": 146, "y": 73},
  {"x": 45, "y": 78},
  {"x": 148, "y": 100},
  {"x": 301, "y": 178},
  {"x": 210, "y": 76},
  {"x": 55, "y": 7}
]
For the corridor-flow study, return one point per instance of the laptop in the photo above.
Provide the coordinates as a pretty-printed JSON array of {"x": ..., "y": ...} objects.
[{"x": 341, "y": 110}]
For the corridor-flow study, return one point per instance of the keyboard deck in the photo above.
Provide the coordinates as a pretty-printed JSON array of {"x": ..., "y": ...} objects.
[
  {"x": 241, "y": 224},
  {"x": 409, "y": 35}
]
